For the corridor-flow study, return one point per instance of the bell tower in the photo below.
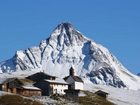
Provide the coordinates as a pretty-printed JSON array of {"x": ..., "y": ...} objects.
[{"x": 71, "y": 72}]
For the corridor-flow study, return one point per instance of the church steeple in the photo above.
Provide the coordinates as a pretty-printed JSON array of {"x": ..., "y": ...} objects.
[{"x": 71, "y": 72}]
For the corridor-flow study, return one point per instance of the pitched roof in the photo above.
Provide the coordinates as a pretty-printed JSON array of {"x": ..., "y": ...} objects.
[
  {"x": 30, "y": 87},
  {"x": 57, "y": 81},
  {"x": 40, "y": 76},
  {"x": 25, "y": 81},
  {"x": 20, "y": 81},
  {"x": 2, "y": 80},
  {"x": 6, "y": 80},
  {"x": 102, "y": 92},
  {"x": 76, "y": 78}
]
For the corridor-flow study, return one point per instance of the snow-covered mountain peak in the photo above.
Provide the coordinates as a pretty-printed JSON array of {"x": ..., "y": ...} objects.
[
  {"x": 67, "y": 47},
  {"x": 63, "y": 28},
  {"x": 66, "y": 34}
]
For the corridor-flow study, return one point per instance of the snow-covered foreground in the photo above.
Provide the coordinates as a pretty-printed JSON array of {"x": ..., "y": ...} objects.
[
  {"x": 117, "y": 95},
  {"x": 1, "y": 93},
  {"x": 4, "y": 93}
]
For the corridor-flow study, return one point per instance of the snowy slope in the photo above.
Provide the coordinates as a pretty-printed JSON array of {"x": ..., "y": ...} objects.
[
  {"x": 67, "y": 47},
  {"x": 117, "y": 95}
]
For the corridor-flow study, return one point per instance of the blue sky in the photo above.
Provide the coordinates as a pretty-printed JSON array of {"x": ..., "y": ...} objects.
[{"x": 112, "y": 23}]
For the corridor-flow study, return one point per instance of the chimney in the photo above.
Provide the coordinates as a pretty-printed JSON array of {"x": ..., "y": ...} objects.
[{"x": 71, "y": 71}]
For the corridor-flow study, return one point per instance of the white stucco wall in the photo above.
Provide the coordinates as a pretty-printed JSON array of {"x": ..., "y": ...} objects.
[
  {"x": 76, "y": 85},
  {"x": 79, "y": 85},
  {"x": 59, "y": 88}
]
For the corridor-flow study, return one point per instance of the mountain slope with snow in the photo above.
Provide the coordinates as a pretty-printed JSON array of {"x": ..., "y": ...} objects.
[
  {"x": 116, "y": 95},
  {"x": 67, "y": 47}
]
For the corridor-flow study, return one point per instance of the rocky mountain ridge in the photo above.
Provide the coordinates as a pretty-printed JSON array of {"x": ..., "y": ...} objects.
[{"x": 67, "y": 47}]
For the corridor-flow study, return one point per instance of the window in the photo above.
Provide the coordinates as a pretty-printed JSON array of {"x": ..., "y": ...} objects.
[{"x": 55, "y": 91}]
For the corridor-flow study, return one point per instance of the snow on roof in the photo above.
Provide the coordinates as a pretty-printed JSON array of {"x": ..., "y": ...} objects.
[
  {"x": 39, "y": 76},
  {"x": 2, "y": 80},
  {"x": 30, "y": 87},
  {"x": 5, "y": 80},
  {"x": 25, "y": 81},
  {"x": 76, "y": 78},
  {"x": 57, "y": 81}
]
